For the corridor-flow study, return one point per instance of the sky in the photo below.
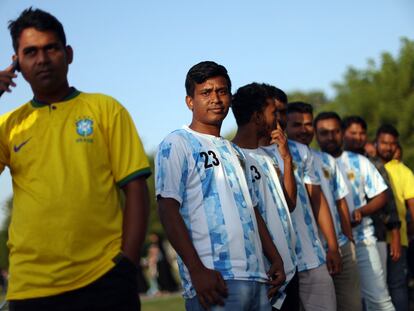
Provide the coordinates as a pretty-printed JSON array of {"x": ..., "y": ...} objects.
[{"x": 140, "y": 51}]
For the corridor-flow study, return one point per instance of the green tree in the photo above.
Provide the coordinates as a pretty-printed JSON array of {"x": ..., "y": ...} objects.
[
  {"x": 382, "y": 93},
  {"x": 316, "y": 98}
]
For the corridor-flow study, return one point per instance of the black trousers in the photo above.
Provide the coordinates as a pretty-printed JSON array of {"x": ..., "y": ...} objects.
[
  {"x": 292, "y": 301},
  {"x": 116, "y": 290}
]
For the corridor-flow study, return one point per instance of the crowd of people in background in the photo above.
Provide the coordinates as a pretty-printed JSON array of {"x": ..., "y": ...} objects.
[{"x": 262, "y": 222}]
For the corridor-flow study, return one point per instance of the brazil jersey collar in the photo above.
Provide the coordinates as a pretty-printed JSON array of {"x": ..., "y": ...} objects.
[{"x": 39, "y": 104}]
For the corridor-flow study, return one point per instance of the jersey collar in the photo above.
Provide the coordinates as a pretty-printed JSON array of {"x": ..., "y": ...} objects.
[{"x": 72, "y": 94}]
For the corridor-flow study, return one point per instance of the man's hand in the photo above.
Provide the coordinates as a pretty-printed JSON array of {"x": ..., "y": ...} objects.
[
  {"x": 6, "y": 79},
  {"x": 333, "y": 262},
  {"x": 278, "y": 137},
  {"x": 210, "y": 287},
  {"x": 276, "y": 276},
  {"x": 395, "y": 245},
  {"x": 356, "y": 217}
]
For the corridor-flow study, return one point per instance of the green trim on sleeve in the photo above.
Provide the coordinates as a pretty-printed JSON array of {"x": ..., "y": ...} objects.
[{"x": 146, "y": 172}]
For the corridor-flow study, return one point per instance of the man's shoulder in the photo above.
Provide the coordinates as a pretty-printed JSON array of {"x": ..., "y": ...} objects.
[
  {"x": 100, "y": 100},
  {"x": 16, "y": 115}
]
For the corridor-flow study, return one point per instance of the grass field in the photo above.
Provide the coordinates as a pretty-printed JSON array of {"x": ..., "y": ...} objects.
[{"x": 167, "y": 303}]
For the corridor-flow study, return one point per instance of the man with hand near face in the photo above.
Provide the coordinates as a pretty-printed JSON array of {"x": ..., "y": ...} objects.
[
  {"x": 206, "y": 208},
  {"x": 72, "y": 247},
  {"x": 315, "y": 265},
  {"x": 255, "y": 115}
]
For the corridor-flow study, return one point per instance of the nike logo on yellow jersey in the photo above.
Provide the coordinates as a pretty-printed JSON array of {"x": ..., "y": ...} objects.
[{"x": 18, "y": 147}]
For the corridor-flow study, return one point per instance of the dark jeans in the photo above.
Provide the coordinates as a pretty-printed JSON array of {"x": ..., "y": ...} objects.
[
  {"x": 115, "y": 291},
  {"x": 397, "y": 279},
  {"x": 292, "y": 300}
]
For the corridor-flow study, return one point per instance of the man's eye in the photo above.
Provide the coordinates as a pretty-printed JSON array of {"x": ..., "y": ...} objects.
[{"x": 223, "y": 92}]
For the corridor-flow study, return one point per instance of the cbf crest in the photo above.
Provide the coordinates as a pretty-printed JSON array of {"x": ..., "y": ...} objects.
[{"x": 84, "y": 128}]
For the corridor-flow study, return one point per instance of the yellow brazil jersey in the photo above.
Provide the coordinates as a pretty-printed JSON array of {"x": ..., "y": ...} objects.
[
  {"x": 402, "y": 184},
  {"x": 67, "y": 161}
]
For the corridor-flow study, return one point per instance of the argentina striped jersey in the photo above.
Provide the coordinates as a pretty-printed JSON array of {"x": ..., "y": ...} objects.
[
  {"x": 334, "y": 188},
  {"x": 204, "y": 174},
  {"x": 309, "y": 251},
  {"x": 364, "y": 181}
]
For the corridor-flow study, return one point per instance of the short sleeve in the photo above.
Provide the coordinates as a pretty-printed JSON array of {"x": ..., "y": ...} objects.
[
  {"x": 128, "y": 158},
  {"x": 171, "y": 169},
  {"x": 374, "y": 183},
  {"x": 340, "y": 186},
  {"x": 4, "y": 151},
  {"x": 408, "y": 191},
  {"x": 309, "y": 173}
]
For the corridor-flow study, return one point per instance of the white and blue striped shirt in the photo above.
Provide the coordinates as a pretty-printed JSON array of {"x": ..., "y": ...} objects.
[
  {"x": 265, "y": 185},
  {"x": 334, "y": 188},
  {"x": 203, "y": 173},
  {"x": 309, "y": 250},
  {"x": 364, "y": 181}
]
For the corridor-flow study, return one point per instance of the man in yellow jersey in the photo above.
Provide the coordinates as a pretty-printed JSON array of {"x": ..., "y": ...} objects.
[
  {"x": 72, "y": 246},
  {"x": 402, "y": 185}
]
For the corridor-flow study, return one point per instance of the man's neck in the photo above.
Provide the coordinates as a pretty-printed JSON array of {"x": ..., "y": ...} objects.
[
  {"x": 54, "y": 96},
  {"x": 205, "y": 128},
  {"x": 335, "y": 154},
  {"x": 246, "y": 137}
]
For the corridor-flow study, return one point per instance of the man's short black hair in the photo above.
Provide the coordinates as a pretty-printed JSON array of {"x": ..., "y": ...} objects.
[
  {"x": 387, "y": 129},
  {"x": 300, "y": 107},
  {"x": 203, "y": 71},
  {"x": 276, "y": 93},
  {"x": 326, "y": 115},
  {"x": 38, "y": 19},
  {"x": 348, "y": 121},
  {"x": 247, "y": 100}
]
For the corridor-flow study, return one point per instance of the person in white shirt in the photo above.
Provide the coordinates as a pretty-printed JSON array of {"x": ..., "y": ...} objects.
[
  {"x": 255, "y": 116},
  {"x": 315, "y": 265},
  {"x": 206, "y": 209},
  {"x": 364, "y": 181},
  {"x": 300, "y": 128}
]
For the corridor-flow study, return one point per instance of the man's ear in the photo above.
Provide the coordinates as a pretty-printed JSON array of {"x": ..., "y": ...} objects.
[
  {"x": 257, "y": 118},
  {"x": 189, "y": 102},
  {"x": 69, "y": 54}
]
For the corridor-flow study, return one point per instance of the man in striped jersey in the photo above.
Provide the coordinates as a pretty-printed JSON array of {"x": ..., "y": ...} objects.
[
  {"x": 206, "y": 209},
  {"x": 300, "y": 129},
  {"x": 364, "y": 181},
  {"x": 254, "y": 112},
  {"x": 315, "y": 265}
]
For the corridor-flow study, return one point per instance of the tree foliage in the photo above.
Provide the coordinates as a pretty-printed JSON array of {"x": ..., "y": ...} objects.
[{"x": 382, "y": 93}]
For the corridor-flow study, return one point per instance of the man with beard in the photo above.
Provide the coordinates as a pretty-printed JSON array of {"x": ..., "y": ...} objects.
[
  {"x": 402, "y": 185},
  {"x": 300, "y": 128},
  {"x": 385, "y": 219},
  {"x": 255, "y": 114},
  {"x": 364, "y": 181},
  {"x": 315, "y": 265}
]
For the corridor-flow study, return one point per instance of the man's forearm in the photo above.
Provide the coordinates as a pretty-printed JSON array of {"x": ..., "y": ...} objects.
[
  {"x": 135, "y": 220},
  {"x": 323, "y": 215},
  {"x": 374, "y": 204},
  {"x": 344, "y": 217},
  {"x": 289, "y": 184}
]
